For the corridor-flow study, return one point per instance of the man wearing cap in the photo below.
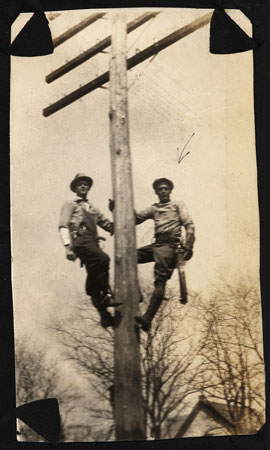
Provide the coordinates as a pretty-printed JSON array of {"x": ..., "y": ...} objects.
[
  {"x": 78, "y": 231},
  {"x": 169, "y": 217}
]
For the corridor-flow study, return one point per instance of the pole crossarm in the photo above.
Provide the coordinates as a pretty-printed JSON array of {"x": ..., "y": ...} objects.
[
  {"x": 131, "y": 62},
  {"x": 79, "y": 27},
  {"x": 99, "y": 47}
]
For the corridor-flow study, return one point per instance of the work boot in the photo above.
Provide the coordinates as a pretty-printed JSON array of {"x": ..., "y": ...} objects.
[
  {"x": 106, "y": 319},
  {"x": 155, "y": 302},
  {"x": 145, "y": 324},
  {"x": 108, "y": 299}
]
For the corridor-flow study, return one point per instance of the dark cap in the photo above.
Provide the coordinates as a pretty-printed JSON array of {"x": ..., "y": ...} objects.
[
  {"x": 80, "y": 177},
  {"x": 162, "y": 181}
]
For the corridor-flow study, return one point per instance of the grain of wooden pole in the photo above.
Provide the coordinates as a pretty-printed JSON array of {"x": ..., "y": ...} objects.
[{"x": 129, "y": 419}]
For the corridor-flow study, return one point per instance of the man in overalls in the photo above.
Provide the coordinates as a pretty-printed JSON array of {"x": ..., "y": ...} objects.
[
  {"x": 78, "y": 230},
  {"x": 169, "y": 216}
]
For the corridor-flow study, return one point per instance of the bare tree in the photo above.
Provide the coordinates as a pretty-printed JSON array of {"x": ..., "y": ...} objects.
[
  {"x": 232, "y": 358},
  {"x": 169, "y": 364},
  {"x": 37, "y": 379},
  {"x": 168, "y": 357},
  {"x": 90, "y": 348}
]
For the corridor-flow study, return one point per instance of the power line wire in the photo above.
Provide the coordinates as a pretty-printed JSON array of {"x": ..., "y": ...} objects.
[
  {"x": 142, "y": 71},
  {"x": 141, "y": 34},
  {"x": 164, "y": 96}
]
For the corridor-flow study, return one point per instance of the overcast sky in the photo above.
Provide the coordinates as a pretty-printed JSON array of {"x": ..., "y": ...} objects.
[{"x": 182, "y": 91}]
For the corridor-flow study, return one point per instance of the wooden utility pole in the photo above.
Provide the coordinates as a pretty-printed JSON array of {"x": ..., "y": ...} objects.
[{"x": 129, "y": 418}]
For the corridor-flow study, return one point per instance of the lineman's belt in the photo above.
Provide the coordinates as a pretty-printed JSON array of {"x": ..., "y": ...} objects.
[
  {"x": 81, "y": 230},
  {"x": 165, "y": 238}
]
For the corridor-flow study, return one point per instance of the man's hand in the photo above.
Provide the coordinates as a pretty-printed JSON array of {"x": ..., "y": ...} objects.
[
  {"x": 187, "y": 254},
  {"x": 70, "y": 255},
  {"x": 111, "y": 204}
]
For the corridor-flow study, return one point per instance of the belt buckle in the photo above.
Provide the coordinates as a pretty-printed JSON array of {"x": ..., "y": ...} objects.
[
  {"x": 176, "y": 243},
  {"x": 74, "y": 234},
  {"x": 81, "y": 230}
]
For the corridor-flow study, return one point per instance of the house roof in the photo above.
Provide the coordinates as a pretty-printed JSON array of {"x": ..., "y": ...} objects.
[{"x": 216, "y": 411}]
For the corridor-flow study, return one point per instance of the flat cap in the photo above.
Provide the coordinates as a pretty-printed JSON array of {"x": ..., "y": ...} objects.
[{"x": 162, "y": 181}]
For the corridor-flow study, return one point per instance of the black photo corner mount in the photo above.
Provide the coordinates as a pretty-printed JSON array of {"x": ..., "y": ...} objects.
[
  {"x": 21, "y": 47},
  {"x": 41, "y": 415},
  {"x": 226, "y": 36},
  {"x": 35, "y": 37}
]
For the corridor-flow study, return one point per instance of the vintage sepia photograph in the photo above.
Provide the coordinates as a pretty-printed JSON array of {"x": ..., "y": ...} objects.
[{"x": 135, "y": 228}]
